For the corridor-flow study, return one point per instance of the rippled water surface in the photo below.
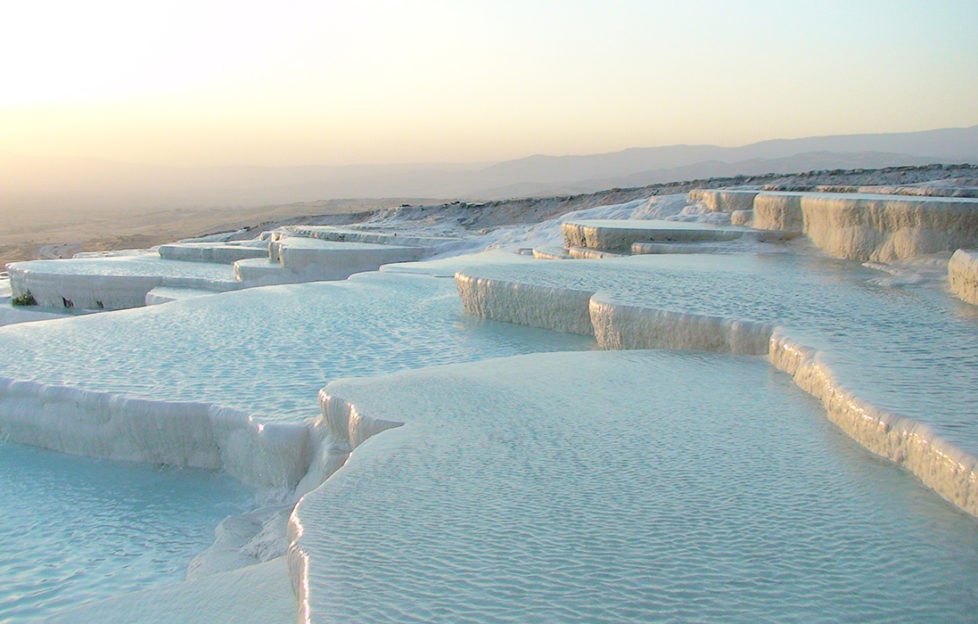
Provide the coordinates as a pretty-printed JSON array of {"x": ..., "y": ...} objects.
[
  {"x": 629, "y": 486},
  {"x": 77, "y": 529},
  {"x": 906, "y": 347},
  {"x": 266, "y": 350},
  {"x": 681, "y": 487}
]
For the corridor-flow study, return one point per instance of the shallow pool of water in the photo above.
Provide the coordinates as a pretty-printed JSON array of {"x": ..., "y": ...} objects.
[
  {"x": 623, "y": 486},
  {"x": 266, "y": 351},
  {"x": 76, "y": 529},
  {"x": 909, "y": 348}
]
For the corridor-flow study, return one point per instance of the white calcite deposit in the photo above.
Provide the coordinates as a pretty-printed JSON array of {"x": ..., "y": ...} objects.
[
  {"x": 232, "y": 388},
  {"x": 113, "y": 282},
  {"x": 858, "y": 226},
  {"x": 870, "y": 228},
  {"x": 303, "y": 259},
  {"x": 724, "y": 200},
  {"x": 536, "y": 305},
  {"x": 177, "y": 433},
  {"x": 619, "y": 235},
  {"x": 734, "y": 303},
  {"x": 602, "y": 487},
  {"x": 372, "y": 236},
  {"x": 962, "y": 271},
  {"x": 299, "y": 254},
  {"x": 223, "y": 253},
  {"x": 441, "y": 479}
]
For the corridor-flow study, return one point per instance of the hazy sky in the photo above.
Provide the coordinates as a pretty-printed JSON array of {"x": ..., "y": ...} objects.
[{"x": 374, "y": 81}]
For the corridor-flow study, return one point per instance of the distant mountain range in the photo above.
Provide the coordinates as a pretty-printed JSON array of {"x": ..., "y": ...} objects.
[
  {"x": 641, "y": 166},
  {"x": 111, "y": 184}
]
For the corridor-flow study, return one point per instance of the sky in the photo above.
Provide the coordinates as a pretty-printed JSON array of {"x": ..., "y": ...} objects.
[{"x": 382, "y": 81}]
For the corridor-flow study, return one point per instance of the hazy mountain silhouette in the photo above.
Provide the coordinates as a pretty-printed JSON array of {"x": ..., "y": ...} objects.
[{"x": 85, "y": 184}]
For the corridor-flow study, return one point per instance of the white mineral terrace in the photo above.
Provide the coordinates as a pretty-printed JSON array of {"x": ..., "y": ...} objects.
[
  {"x": 353, "y": 234},
  {"x": 724, "y": 200},
  {"x": 962, "y": 272},
  {"x": 224, "y": 253},
  {"x": 313, "y": 259},
  {"x": 112, "y": 282},
  {"x": 906, "y": 395},
  {"x": 551, "y": 253},
  {"x": 166, "y": 294},
  {"x": 618, "y": 235},
  {"x": 461, "y": 468},
  {"x": 858, "y": 226},
  {"x": 238, "y": 373},
  {"x": 279, "y": 257},
  {"x": 678, "y": 248},
  {"x": 525, "y": 489},
  {"x": 295, "y": 259}
]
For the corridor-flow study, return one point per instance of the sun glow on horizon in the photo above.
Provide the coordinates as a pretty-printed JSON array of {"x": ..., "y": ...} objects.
[{"x": 217, "y": 83}]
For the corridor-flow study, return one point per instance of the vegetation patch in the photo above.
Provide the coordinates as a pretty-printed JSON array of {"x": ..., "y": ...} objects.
[{"x": 26, "y": 299}]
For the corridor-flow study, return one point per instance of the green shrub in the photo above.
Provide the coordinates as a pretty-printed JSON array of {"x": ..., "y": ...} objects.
[{"x": 27, "y": 299}]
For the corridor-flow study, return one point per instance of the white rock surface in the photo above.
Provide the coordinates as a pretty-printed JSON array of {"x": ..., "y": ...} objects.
[
  {"x": 870, "y": 228},
  {"x": 962, "y": 272},
  {"x": 294, "y": 259},
  {"x": 227, "y": 382},
  {"x": 166, "y": 294},
  {"x": 683, "y": 302},
  {"x": 339, "y": 260},
  {"x": 112, "y": 283},
  {"x": 860, "y": 226},
  {"x": 742, "y": 217},
  {"x": 376, "y": 237},
  {"x": 365, "y": 326},
  {"x": 674, "y": 248},
  {"x": 618, "y": 235},
  {"x": 551, "y": 253},
  {"x": 724, "y": 200},
  {"x": 547, "y": 307},
  {"x": 197, "y": 435},
  {"x": 222, "y": 253},
  {"x": 941, "y": 465}
]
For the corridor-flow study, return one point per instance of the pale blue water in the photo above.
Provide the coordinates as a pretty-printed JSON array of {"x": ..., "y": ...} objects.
[
  {"x": 101, "y": 528},
  {"x": 268, "y": 350},
  {"x": 628, "y": 487},
  {"x": 75, "y": 529},
  {"x": 911, "y": 349},
  {"x": 679, "y": 487},
  {"x": 150, "y": 264}
]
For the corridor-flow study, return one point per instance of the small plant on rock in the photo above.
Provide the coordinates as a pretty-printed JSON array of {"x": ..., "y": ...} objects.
[{"x": 26, "y": 299}]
